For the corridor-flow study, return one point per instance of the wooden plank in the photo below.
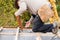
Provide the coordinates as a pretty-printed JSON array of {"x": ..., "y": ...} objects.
[
  {"x": 29, "y": 34},
  {"x": 1, "y": 28},
  {"x": 23, "y": 28},
  {"x": 17, "y": 33}
]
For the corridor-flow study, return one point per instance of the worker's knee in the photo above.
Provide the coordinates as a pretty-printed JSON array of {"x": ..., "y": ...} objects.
[{"x": 34, "y": 30}]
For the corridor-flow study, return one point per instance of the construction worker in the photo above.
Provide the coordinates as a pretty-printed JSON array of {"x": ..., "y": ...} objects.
[{"x": 33, "y": 6}]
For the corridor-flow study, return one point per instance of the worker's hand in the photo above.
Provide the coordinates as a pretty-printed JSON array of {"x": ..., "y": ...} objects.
[
  {"x": 21, "y": 27},
  {"x": 27, "y": 24}
]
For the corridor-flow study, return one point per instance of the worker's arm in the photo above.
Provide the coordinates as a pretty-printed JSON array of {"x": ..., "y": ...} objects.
[{"x": 22, "y": 8}]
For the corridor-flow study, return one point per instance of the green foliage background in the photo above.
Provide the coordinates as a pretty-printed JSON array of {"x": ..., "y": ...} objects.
[
  {"x": 7, "y": 10},
  {"x": 58, "y": 6}
]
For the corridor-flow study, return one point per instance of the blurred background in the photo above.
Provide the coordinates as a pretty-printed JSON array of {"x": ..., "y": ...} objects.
[{"x": 7, "y": 10}]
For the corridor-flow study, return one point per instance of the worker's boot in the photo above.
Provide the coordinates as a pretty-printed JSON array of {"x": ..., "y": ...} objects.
[{"x": 55, "y": 30}]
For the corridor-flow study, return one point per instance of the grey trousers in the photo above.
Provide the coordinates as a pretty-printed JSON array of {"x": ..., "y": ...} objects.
[{"x": 39, "y": 26}]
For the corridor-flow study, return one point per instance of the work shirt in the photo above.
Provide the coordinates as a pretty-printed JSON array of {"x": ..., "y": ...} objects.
[{"x": 31, "y": 5}]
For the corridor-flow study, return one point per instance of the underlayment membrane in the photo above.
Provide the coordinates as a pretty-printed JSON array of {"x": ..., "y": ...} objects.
[{"x": 12, "y": 37}]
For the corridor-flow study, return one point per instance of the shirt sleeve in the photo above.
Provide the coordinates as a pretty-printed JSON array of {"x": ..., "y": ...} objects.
[
  {"x": 21, "y": 9},
  {"x": 31, "y": 19}
]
